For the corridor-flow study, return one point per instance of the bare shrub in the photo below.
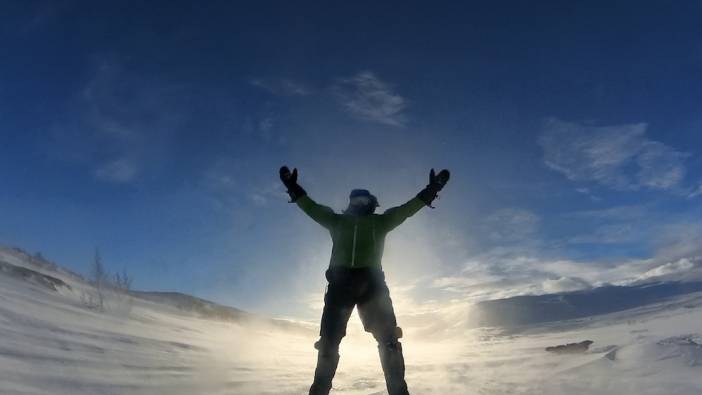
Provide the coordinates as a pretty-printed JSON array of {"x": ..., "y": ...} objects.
[{"x": 109, "y": 290}]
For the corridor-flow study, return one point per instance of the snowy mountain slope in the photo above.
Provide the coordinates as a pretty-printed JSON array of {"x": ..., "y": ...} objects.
[
  {"x": 52, "y": 344},
  {"x": 17, "y": 263},
  {"x": 210, "y": 310}
]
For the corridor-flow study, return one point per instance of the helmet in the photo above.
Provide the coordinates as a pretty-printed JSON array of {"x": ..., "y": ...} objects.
[{"x": 361, "y": 202}]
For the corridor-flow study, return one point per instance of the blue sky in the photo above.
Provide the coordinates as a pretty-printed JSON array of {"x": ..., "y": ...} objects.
[{"x": 155, "y": 134}]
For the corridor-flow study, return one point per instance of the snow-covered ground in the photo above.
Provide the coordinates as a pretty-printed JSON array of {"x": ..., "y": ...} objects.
[{"x": 51, "y": 343}]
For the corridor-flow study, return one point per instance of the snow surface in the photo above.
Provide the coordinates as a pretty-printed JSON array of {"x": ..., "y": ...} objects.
[{"x": 51, "y": 343}]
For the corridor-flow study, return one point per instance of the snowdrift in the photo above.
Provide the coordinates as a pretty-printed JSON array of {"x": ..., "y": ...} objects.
[{"x": 177, "y": 344}]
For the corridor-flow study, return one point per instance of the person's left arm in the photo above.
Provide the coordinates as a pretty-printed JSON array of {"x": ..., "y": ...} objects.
[{"x": 395, "y": 216}]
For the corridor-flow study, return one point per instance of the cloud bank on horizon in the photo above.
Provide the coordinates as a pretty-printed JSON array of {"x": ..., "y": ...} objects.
[{"x": 157, "y": 138}]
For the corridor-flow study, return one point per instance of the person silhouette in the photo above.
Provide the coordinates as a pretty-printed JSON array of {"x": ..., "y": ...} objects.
[{"x": 355, "y": 276}]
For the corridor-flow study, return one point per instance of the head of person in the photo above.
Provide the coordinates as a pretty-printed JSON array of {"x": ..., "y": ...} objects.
[{"x": 361, "y": 202}]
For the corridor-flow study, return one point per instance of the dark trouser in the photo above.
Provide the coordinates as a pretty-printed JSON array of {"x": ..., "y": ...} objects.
[{"x": 366, "y": 289}]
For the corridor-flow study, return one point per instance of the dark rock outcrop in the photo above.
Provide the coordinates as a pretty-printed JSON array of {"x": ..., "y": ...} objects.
[
  {"x": 31, "y": 276},
  {"x": 571, "y": 348}
]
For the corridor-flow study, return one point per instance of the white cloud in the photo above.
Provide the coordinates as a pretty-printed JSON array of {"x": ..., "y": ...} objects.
[
  {"x": 263, "y": 128},
  {"x": 660, "y": 166},
  {"x": 511, "y": 224},
  {"x": 231, "y": 192},
  {"x": 497, "y": 275},
  {"x": 119, "y": 171},
  {"x": 367, "y": 97},
  {"x": 265, "y": 124},
  {"x": 618, "y": 156},
  {"x": 612, "y": 225},
  {"x": 506, "y": 272},
  {"x": 261, "y": 195},
  {"x": 124, "y": 124},
  {"x": 695, "y": 192},
  {"x": 564, "y": 284},
  {"x": 677, "y": 241},
  {"x": 682, "y": 269}
]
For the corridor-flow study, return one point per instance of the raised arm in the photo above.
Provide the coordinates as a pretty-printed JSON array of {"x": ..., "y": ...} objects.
[
  {"x": 323, "y": 215},
  {"x": 393, "y": 217}
]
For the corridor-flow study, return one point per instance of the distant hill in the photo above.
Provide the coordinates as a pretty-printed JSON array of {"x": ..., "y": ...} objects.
[
  {"x": 206, "y": 309},
  {"x": 36, "y": 270},
  {"x": 535, "y": 309}
]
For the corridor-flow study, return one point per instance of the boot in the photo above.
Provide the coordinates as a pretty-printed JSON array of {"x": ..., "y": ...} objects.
[
  {"x": 323, "y": 375},
  {"x": 393, "y": 364}
]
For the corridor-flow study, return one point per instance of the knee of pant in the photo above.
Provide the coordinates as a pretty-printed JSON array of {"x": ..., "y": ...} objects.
[
  {"x": 327, "y": 346},
  {"x": 390, "y": 346},
  {"x": 388, "y": 335}
]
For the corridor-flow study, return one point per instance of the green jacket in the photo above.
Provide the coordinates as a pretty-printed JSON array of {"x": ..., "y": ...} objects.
[{"x": 358, "y": 241}]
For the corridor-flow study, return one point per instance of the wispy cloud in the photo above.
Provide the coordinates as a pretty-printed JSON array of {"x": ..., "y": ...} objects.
[
  {"x": 660, "y": 166},
  {"x": 45, "y": 13},
  {"x": 509, "y": 271},
  {"x": 511, "y": 225},
  {"x": 626, "y": 213},
  {"x": 230, "y": 191},
  {"x": 120, "y": 171},
  {"x": 503, "y": 273},
  {"x": 496, "y": 274},
  {"x": 282, "y": 86},
  {"x": 565, "y": 284},
  {"x": 262, "y": 194},
  {"x": 614, "y": 225},
  {"x": 264, "y": 128},
  {"x": 620, "y": 156},
  {"x": 695, "y": 192},
  {"x": 123, "y": 123},
  {"x": 683, "y": 269},
  {"x": 525, "y": 266},
  {"x": 609, "y": 234},
  {"x": 365, "y": 96}
]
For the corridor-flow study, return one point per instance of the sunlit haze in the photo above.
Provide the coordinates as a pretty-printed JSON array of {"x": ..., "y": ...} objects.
[
  {"x": 572, "y": 134},
  {"x": 144, "y": 139}
]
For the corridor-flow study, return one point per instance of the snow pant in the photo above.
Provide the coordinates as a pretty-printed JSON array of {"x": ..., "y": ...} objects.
[{"x": 364, "y": 288}]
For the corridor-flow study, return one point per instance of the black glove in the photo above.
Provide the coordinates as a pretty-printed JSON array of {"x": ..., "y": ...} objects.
[
  {"x": 436, "y": 183},
  {"x": 290, "y": 181}
]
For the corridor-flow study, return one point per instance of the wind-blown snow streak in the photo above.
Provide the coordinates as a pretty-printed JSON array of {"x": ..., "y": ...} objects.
[{"x": 52, "y": 344}]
